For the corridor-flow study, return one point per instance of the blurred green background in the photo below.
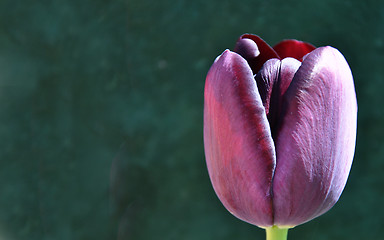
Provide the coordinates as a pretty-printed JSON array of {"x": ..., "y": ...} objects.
[{"x": 101, "y": 115}]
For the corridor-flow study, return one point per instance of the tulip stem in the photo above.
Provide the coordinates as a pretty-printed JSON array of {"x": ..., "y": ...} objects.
[{"x": 276, "y": 233}]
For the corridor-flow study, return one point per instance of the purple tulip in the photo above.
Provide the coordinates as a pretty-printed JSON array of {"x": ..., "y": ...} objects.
[{"x": 279, "y": 134}]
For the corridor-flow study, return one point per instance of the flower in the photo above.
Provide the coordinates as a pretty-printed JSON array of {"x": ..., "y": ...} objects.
[{"x": 279, "y": 130}]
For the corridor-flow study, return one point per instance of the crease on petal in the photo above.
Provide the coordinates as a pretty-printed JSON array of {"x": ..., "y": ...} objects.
[
  {"x": 316, "y": 140},
  {"x": 289, "y": 67},
  {"x": 266, "y": 79},
  {"x": 239, "y": 150},
  {"x": 273, "y": 81},
  {"x": 287, "y": 70}
]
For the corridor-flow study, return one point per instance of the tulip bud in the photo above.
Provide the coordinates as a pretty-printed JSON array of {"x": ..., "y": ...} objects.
[{"x": 279, "y": 130}]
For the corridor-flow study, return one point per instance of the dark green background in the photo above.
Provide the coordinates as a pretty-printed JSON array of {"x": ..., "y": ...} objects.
[{"x": 101, "y": 115}]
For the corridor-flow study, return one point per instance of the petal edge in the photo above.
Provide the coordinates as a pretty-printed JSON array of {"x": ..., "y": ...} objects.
[
  {"x": 239, "y": 149},
  {"x": 316, "y": 143}
]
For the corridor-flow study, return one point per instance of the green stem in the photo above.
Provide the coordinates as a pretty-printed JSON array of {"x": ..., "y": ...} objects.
[{"x": 276, "y": 233}]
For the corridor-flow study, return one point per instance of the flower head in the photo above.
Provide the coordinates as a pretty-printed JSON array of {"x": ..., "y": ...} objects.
[{"x": 279, "y": 130}]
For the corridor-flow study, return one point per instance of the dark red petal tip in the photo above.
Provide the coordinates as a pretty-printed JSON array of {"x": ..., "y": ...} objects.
[{"x": 293, "y": 48}]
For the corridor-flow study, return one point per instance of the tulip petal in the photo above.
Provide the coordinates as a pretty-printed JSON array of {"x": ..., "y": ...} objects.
[
  {"x": 265, "y": 52},
  {"x": 316, "y": 141},
  {"x": 293, "y": 48},
  {"x": 239, "y": 149}
]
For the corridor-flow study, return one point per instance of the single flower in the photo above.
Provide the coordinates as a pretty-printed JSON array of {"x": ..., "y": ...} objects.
[{"x": 279, "y": 130}]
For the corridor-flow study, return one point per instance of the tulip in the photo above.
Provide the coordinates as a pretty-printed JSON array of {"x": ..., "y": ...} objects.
[{"x": 279, "y": 131}]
